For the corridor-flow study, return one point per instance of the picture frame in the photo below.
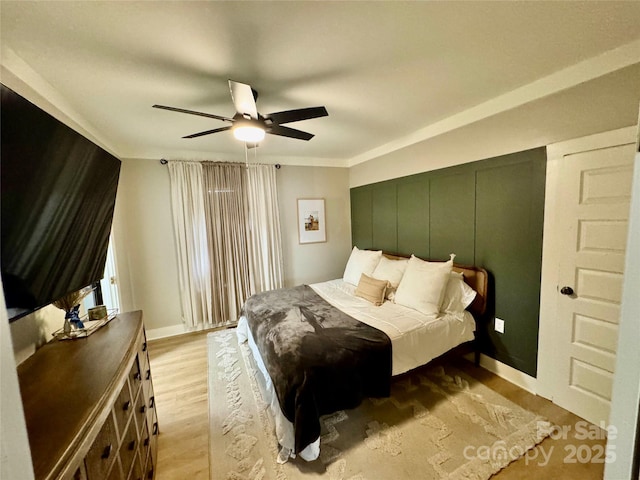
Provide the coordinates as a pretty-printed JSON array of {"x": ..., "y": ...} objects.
[{"x": 312, "y": 221}]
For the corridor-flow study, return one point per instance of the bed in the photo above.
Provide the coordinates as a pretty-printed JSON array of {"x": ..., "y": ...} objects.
[{"x": 325, "y": 347}]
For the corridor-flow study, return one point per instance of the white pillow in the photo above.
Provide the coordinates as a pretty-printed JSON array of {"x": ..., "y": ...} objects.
[
  {"x": 457, "y": 296},
  {"x": 391, "y": 271},
  {"x": 360, "y": 261},
  {"x": 423, "y": 284}
]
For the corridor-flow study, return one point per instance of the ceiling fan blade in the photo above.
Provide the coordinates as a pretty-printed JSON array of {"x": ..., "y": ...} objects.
[
  {"x": 242, "y": 96},
  {"x": 191, "y": 112},
  {"x": 207, "y": 132},
  {"x": 297, "y": 115},
  {"x": 289, "y": 132}
]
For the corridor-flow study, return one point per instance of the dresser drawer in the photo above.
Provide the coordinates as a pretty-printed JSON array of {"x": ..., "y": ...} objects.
[
  {"x": 136, "y": 469},
  {"x": 149, "y": 468},
  {"x": 145, "y": 443},
  {"x": 143, "y": 355},
  {"x": 116, "y": 471},
  {"x": 123, "y": 409},
  {"x": 154, "y": 431},
  {"x": 135, "y": 377},
  {"x": 140, "y": 412},
  {"x": 80, "y": 473},
  {"x": 103, "y": 451},
  {"x": 128, "y": 447}
]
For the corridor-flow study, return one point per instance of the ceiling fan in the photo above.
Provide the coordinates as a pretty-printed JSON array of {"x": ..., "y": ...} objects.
[{"x": 248, "y": 124}]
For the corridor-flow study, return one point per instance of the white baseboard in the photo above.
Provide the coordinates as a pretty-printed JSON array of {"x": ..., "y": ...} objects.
[
  {"x": 175, "y": 330},
  {"x": 521, "y": 379},
  {"x": 171, "y": 331}
]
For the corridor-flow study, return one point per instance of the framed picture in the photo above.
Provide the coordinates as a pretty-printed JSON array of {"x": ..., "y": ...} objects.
[{"x": 312, "y": 226}]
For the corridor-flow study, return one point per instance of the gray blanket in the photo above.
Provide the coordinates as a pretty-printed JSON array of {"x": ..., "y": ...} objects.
[{"x": 320, "y": 359}]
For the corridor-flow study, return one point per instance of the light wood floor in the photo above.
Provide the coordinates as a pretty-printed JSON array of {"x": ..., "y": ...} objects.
[
  {"x": 179, "y": 372},
  {"x": 179, "y": 369}
]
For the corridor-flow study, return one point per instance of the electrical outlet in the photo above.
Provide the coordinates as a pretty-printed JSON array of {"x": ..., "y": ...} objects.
[{"x": 499, "y": 325}]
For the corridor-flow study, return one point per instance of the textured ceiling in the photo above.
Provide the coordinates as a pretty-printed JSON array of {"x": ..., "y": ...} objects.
[{"x": 389, "y": 73}]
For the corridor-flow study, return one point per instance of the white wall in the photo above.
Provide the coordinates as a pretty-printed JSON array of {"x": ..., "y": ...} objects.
[
  {"x": 577, "y": 112},
  {"x": 146, "y": 250},
  {"x": 144, "y": 242},
  {"x": 15, "y": 455},
  {"x": 34, "y": 330},
  {"x": 315, "y": 262}
]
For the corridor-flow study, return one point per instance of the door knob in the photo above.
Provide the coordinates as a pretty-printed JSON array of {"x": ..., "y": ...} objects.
[{"x": 566, "y": 291}]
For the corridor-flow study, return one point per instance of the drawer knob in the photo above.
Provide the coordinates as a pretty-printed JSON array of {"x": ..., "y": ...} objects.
[
  {"x": 143, "y": 408},
  {"x": 126, "y": 405},
  {"x": 137, "y": 376},
  {"x": 146, "y": 442},
  {"x": 144, "y": 347},
  {"x": 106, "y": 453},
  {"x": 148, "y": 375},
  {"x": 132, "y": 445},
  {"x": 155, "y": 428},
  {"x": 152, "y": 402}
]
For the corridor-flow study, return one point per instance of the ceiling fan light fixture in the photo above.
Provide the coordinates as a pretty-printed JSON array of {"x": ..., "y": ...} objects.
[
  {"x": 248, "y": 132},
  {"x": 250, "y": 126}
]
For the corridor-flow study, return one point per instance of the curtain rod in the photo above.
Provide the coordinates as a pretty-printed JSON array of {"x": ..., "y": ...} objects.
[{"x": 164, "y": 161}]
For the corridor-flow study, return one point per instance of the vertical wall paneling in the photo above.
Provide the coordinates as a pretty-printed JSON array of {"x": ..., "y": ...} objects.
[
  {"x": 413, "y": 216},
  {"x": 452, "y": 215},
  {"x": 490, "y": 213},
  {"x": 508, "y": 238},
  {"x": 361, "y": 217},
  {"x": 384, "y": 209}
]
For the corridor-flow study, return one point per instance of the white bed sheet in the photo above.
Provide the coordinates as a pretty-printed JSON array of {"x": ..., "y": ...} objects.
[
  {"x": 284, "y": 428},
  {"x": 416, "y": 339}
]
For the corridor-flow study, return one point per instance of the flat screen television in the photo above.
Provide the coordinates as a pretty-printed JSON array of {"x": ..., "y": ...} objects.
[{"x": 58, "y": 192}]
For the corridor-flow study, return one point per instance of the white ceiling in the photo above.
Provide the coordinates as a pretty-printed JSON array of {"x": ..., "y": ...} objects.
[{"x": 389, "y": 73}]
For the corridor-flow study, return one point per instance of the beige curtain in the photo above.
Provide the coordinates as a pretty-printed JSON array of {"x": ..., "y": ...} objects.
[
  {"x": 227, "y": 226},
  {"x": 227, "y": 219},
  {"x": 265, "y": 242},
  {"x": 187, "y": 204}
]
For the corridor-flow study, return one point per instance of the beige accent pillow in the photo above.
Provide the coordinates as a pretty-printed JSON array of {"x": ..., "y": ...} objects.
[
  {"x": 371, "y": 289},
  {"x": 423, "y": 284}
]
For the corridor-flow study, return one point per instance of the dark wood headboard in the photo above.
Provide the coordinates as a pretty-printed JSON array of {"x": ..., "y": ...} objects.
[{"x": 476, "y": 277}]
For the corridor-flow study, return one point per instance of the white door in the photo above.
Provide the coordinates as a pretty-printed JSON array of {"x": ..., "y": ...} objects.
[
  {"x": 109, "y": 283},
  {"x": 591, "y": 217}
]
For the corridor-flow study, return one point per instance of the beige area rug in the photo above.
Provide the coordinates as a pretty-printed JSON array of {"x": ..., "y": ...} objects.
[{"x": 438, "y": 423}]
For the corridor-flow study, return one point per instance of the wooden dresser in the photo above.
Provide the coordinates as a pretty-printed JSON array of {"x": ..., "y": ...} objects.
[{"x": 89, "y": 405}]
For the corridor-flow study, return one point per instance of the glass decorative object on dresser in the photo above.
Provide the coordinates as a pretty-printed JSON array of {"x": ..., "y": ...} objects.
[{"x": 76, "y": 326}]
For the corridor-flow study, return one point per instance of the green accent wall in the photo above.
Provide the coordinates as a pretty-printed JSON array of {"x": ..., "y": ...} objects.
[{"x": 490, "y": 214}]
